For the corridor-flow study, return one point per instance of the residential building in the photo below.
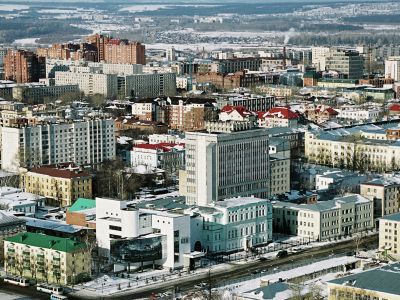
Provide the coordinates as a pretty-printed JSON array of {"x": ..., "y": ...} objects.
[
  {"x": 82, "y": 213},
  {"x": 60, "y": 184},
  {"x": 339, "y": 180},
  {"x": 166, "y": 138},
  {"x": 230, "y": 159},
  {"x": 9, "y": 226},
  {"x": 380, "y": 283},
  {"x": 280, "y": 174},
  {"x": 231, "y": 225},
  {"x": 278, "y": 117},
  {"x": 389, "y": 236},
  {"x": 320, "y": 113},
  {"x": 385, "y": 192},
  {"x": 392, "y": 68},
  {"x": 347, "y": 62},
  {"x": 19, "y": 202},
  {"x": 118, "y": 51},
  {"x": 124, "y": 233},
  {"x": 318, "y": 57},
  {"x": 236, "y": 114},
  {"x": 88, "y": 82},
  {"x": 358, "y": 114},
  {"x": 36, "y": 94},
  {"x": 23, "y": 66},
  {"x": 324, "y": 220},
  {"x": 147, "y": 85},
  {"x": 46, "y": 258},
  {"x": 83, "y": 142},
  {"x": 166, "y": 156}
]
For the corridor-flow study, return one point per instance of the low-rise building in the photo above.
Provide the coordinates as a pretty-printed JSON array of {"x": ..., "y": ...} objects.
[
  {"x": 278, "y": 117},
  {"x": 324, "y": 220},
  {"x": 231, "y": 225},
  {"x": 236, "y": 113},
  {"x": 60, "y": 184},
  {"x": 82, "y": 213},
  {"x": 46, "y": 258},
  {"x": 389, "y": 236},
  {"x": 339, "y": 180},
  {"x": 19, "y": 202},
  {"x": 9, "y": 226},
  {"x": 378, "y": 283}
]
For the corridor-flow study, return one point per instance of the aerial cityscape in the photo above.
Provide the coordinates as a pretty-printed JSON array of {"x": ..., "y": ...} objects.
[{"x": 219, "y": 150}]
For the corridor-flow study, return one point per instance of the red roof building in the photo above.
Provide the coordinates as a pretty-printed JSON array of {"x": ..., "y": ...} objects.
[{"x": 278, "y": 117}]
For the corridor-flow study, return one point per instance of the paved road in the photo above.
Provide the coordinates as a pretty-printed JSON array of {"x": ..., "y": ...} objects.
[
  {"x": 241, "y": 271},
  {"x": 24, "y": 293}
]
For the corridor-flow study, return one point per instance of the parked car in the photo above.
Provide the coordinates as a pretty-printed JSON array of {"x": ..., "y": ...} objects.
[{"x": 282, "y": 253}]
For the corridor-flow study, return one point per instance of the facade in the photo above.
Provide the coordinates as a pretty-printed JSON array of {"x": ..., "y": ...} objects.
[
  {"x": 36, "y": 94},
  {"x": 231, "y": 225},
  {"x": 339, "y": 180},
  {"x": 60, "y": 184},
  {"x": 378, "y": 283},
  {"x": 389, "y": 236},
  {"x": 236, "y": 113},
  {"x": 166, "y": 156},
  {"x": 278, "y": 117},
  {"x": 280, "y": 174},
  {"x": 324, "y": 220},
  {"x": 233, "y": 65},
  {"x": 392, "y": 68},
  {"x": 82, "y": 142},
  {"x": 349, "y": 63},
  {"x": 318, "y": 57},
  {"x": 9, "y": 226},
  {"x": 46, "y": 258},
  {"x": 23, "y": 66},
  {"x": 82, "y": 213},
  {"x": 123, "y": 52},
  {"x": 88, "y": 82},
  {"x": 147, "y": 85},
  {"x": 321, "y": 113},
  {"x": 227, "y": 161},
  {"x": 120, "y": 227},
  {"x": 358, "y": 114},
  {"x": 385, "y": 192}
]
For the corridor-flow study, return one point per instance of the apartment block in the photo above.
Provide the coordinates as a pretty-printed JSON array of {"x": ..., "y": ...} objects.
[
  {"x": 385, "y": 192},
  {"x": 46, "y": 258},
  {"x": 231, "y": 225},
  {"x": 324, "y": 220},
  {"x": 9, "y": 226},
  {"x": 147, "y": 85},
  {"x": 389, "y": 236},
  {"x": 23, "y": 66},
  {"x": 280, "y": 174},
  {"x": 36, "y": 94},
  {"x": 60, "y": 184},
  {"x": 229, "y": 159},
  {"x": 118, "y": 51},
  {"x": 82, "y": 142}
]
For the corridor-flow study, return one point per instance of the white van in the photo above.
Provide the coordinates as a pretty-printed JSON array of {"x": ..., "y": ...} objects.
[
  {"x": 20, "y": 281},
  {"x": 50, "y": 289}
]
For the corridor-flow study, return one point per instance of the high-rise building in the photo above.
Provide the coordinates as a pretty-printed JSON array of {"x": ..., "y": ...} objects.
[
  {"x": 318, "y": 57},
  {"x": 170, "y": 54},
  {"x": 230, "y": 159},
  {"x": 347, "y": 62},
  {"x": 83, "y": 142},
  {"x": 99, "y": 41},
  {"x": 24, "y": 66},
  {"x": 124, "y": 52},
  {"x": 392, "y": 67}
]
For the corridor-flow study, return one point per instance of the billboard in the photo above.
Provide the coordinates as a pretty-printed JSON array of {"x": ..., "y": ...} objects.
[{"x": 137, "y": 249}]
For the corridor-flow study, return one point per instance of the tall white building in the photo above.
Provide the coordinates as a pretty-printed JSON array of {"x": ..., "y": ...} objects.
[
  {"x": 89, "y": 82},
  {"x": 84, "y": 142},
  {"x": 228, "y": 161},
  {"x": 318, "y": 57},
  {"x": 392, "y": 67}
]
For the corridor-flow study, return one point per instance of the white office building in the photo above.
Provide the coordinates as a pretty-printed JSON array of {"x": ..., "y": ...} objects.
[
  {"x": 392, "y": 67},
  {"x": 126, "y": 234},
  {"x": 230, "y": 160},
  {"x": 83, "y": 142}
]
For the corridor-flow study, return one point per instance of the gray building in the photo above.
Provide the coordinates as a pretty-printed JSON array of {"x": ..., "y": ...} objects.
[{"x": 349, "y": 63}]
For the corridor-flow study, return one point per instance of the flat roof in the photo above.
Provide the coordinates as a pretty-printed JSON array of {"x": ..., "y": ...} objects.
[{"x": 392, "y": 217}]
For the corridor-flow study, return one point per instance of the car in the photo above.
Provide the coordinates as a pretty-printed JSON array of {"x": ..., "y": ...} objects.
[
  {"x": 262, "y": 258},
  {"x": 282, "y": 253}
]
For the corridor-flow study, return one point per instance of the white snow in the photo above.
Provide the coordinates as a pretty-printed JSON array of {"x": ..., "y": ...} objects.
[
  {"x": 27, "y": 41},
  {"x": 154, "y": 7},
  {"x": 9, "y": 7}
]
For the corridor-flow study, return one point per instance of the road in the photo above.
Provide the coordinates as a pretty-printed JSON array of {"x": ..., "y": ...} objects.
[{"x": 242, "y": 271}]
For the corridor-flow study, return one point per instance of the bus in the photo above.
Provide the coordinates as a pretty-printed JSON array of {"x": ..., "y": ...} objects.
[
  {"x": 20, "y": 281},
  {"x": 50, "y": 289}
]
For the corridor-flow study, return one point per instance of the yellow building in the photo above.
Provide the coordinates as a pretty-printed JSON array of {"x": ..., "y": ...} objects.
[
  {"x": 389, "y": 236},
  {"x": 61, "y": 184},
  {"x": 46, "y": 258}
]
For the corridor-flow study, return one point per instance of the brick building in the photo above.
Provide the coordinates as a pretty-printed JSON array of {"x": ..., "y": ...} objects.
[{"x": 24, "y": 66}]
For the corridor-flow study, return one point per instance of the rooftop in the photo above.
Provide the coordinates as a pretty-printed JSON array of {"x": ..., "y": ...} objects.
[
  {"x": 82, "y": 204},
  {"x": 385, "y": 279},
  {"x": 68, "y": 171},
  {"x": 46, "y": 241},
  {"x": 393, "y": 217}
]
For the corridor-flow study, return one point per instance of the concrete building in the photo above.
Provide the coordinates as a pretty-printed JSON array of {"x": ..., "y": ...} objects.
[
  {"x": 231, "y": 225},
  {"x": 157, "y": 237},
  {"x": 251, "y": 102},
  {"x": 46, "y": 258},
  {"x": 392, "y": 68},
  {"x": 20, "y": 202},
  {"x": 82, "y": 213},
  {"x": 82, "y": 142},
  {"x": 229, "y": 160},
  {"x": 318, "y": 57},
  {"x": 389, "y": 236},
  {"x": 118, "y": 51},
  {"x": 280, "y": 174},
  {"x": 380, "y": 283},
  {"x": 358, "y": 114},
  {"x": 339, "y": 180},
  {"x": 346, "y": 62},
  {"x": 88, "y": 82},
  {"x": 36, "y": 94},
  {"x": 324, "y": 220},
  {"x": 385, "y": 192},
  {"x": 278, "y": 117},
  {"x": 60, "y": 184},
  {"x": 147, "y": 85},
  {"x": 9, "y": 226}
]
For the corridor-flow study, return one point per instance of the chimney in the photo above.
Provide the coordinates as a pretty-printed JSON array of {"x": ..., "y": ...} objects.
[{"x": 284, "y": 57}]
